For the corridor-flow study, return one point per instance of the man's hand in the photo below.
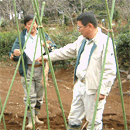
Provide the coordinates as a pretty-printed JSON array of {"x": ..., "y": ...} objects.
[
  {"x": 17, "y": 52},
  {"x": 48, "y": 44},
  {"x": 12, "y": 57},
  {"x": 40, "y": 60},
  {"x": 101, "y": 97}
]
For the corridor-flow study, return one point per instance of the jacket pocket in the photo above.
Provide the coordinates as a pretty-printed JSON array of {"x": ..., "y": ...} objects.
[{"x": 97, "y": 55}]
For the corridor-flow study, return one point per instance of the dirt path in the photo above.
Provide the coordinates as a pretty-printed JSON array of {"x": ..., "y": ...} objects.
[{"x": 14, "y": 111}]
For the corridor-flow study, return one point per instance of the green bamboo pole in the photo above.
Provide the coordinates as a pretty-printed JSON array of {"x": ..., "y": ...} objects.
[
  {"x": 45, "y": 90},
  {"x": 25, "y": 79},
  {"x": 46, "y": 99},
  {"x": 28, "y": 90},
  {"x": 42, "y": 11},
  {"x": 31, "y": 77},
  {"x": 47, "y": 110},
  {"x": 43, "y": 5},
  {"x": 3, "y": 115},
  {"x": 50, "y": 64},
  {"x": 103, "y": 66},
  {"x": 22, "y": 51},
  {"x": 118, "y": 73}
]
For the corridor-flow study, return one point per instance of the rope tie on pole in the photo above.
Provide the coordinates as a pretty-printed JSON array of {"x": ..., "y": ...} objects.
[
  {"x": 108, "y": 30},
  {"x": 40, "y": 26}
]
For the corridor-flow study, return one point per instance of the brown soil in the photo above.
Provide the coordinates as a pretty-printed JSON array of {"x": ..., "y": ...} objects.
[{"x": 14, "y": 111}]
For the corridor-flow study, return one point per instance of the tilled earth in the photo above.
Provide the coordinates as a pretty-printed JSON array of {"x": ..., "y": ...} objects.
[{"x": 14, "y": 110}]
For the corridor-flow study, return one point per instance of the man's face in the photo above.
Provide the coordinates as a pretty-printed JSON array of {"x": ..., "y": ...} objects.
[
  {"x": 83, "y": 29},
  {"x": 28, "y": 25}
]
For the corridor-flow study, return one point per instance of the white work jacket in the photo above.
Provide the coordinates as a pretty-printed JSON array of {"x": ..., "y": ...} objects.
[{"x": 93, "y": 72}]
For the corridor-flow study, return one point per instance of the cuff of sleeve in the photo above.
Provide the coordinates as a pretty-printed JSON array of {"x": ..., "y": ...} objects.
[
  {"x": 45, "y": 56},
  {"x": 105, "y": 91}
]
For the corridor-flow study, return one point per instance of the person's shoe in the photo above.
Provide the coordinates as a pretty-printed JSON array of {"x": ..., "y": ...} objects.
[
  {"x": 74, "y": 127},
  {"x": 30, "y": 125},
  {"x": 38, "y": 121}
]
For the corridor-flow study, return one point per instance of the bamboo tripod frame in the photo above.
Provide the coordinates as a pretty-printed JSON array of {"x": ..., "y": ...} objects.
[{"x": 35, "y": 4}]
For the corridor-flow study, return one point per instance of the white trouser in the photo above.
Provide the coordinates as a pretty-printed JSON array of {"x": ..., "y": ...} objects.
[{"x": 83, "y": 104}]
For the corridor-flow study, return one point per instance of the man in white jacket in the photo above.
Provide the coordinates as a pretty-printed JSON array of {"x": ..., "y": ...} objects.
[{"x": 89, "y": 49}]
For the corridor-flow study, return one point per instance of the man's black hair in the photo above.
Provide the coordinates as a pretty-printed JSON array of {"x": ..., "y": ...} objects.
[
  {"x": 28, "y": 18},
  {"x": 88, "y": 17}
]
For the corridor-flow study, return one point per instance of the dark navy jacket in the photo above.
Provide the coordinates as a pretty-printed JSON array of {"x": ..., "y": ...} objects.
[{"x": 16, "y": 46}]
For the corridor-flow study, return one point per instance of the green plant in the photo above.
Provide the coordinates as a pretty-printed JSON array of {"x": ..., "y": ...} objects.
[
  {"x": 6, "y": 41},
  {"x": 45, "y": 20},
  {"x": 116, "y": 16},
  {"x": 123, "y": 49},
  {"x": 4, "y": 24}
]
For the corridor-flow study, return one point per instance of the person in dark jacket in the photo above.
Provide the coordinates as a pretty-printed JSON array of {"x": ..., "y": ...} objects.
[{"x": 37, "y": 89}]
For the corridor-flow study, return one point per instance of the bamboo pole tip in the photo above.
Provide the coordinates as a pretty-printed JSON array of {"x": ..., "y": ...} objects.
[{"x": 41, "y": 26}]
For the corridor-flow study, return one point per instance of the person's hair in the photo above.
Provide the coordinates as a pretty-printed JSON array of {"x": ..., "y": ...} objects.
[
  {"x": 88, "y": 17},
  {"x": 28, "y": 18}
]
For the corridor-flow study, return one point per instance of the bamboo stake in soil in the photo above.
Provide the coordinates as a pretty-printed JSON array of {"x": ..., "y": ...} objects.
[
  {"x": 19, "y": 61},
  {"x": 118, "y": 75},
  {"x": 23, "y": 65},
  {"x": 3, "y": 115},
  {"x": 50, "y": 64}
]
